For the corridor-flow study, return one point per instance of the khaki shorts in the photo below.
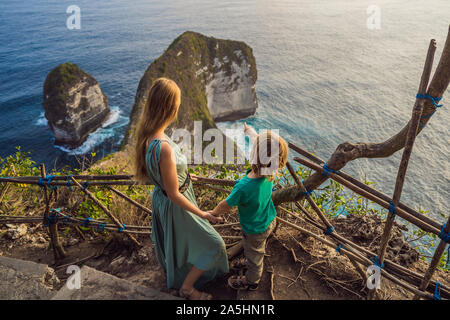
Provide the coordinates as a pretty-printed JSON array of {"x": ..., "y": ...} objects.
[{"x": 254, "y": 250}]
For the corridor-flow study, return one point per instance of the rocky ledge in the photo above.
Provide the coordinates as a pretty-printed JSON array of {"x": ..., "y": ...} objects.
[
  {"x": 74, "y": 104},
  {"x": 217, "y": 79}
]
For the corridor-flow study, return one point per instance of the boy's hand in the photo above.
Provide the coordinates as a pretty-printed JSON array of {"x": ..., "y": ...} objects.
[
  {"x": 214, "y": 213},
  {"x": 246, "y": 127},
  {"x": 212, "y": 218}
]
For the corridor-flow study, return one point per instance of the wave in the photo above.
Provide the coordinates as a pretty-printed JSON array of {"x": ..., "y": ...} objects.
[
  {"x": 42, "y": 120},
  {"x": 108, "y": 130}
]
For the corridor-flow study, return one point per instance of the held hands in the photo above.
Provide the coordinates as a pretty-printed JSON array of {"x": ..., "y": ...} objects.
[{"x": 211, "y": 217}]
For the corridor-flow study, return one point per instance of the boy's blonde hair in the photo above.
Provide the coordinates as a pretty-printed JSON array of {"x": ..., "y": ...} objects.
[
  {"x": 273, "y": 149},
  {"x": 160, "y": 109}
]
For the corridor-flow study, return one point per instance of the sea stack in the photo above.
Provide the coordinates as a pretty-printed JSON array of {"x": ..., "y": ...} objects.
[
  {"x": 217, "y": 79},
  {"x": 74, "y": 104}
]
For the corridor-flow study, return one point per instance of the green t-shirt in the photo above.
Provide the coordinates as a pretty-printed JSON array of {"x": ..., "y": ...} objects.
[{"x": 253, "y": 197}]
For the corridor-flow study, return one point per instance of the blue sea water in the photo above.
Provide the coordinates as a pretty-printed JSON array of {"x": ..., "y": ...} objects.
[{"x": 323, "y": 76}]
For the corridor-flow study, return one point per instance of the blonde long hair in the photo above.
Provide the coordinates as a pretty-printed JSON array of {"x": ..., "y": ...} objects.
[{"x": 160, "y": 110}]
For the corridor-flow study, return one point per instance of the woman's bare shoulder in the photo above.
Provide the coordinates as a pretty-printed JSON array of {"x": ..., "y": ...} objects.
[{"x": 166, "y": 150}]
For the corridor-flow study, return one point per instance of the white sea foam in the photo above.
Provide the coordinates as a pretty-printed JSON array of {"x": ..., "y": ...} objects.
[
  {"x": 42, "y": 120},
  {"x": 106, "y": 131}
]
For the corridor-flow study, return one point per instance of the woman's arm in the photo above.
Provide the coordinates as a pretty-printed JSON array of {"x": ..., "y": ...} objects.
[{"x": 167, "y": 165}]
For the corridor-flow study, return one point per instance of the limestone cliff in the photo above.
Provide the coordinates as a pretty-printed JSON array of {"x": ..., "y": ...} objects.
[
  {"x": 217, "y": 79},
  {"x": 74, "y": 104}
]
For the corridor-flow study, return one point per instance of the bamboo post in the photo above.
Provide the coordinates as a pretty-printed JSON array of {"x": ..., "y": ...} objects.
[
  {"x": 320, "y": 213},
  {"x": 108, "y": 213},
  {"x": 333, "y": 235},
  {"x": 400, "y": 212},
  {"x": 363, "y": 261},
  {"x": 137, "y": 204},
  {"x": 308, "y": 197},
  {"x": 410, "y": 139},
  {"x": 58, "y": 250},
  {"x": 365, "y": 187},
  {"x": 434, "y": 261}
]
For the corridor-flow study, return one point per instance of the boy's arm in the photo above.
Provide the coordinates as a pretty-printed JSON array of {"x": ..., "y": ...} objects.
[
  {"x": 250, "y": 132},
  {"x": 221, "y": 208}
]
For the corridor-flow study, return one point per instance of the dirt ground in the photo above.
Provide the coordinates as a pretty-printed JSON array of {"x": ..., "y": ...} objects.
[{"x": 296, "y": 267}]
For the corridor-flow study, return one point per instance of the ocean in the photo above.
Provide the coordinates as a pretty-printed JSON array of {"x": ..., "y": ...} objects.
[{"x": 324, "y": 77}]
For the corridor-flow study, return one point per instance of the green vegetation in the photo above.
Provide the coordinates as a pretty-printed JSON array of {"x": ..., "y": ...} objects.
[{"x": 17, "y": 199}]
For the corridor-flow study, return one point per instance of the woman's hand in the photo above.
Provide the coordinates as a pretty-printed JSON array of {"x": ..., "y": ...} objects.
[{"x": 212, "y": 218}]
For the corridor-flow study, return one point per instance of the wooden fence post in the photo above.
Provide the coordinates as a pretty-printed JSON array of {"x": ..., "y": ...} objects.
[
  {"x": 58, "y": 249},
  {"x": 434, "y": 261},
  {"x": 411, "y": 137}
]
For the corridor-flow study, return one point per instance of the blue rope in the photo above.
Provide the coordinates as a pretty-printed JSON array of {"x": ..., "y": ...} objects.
[
  {"x": 432, "y": 99},
  {"x": 85, "y": 185},
  {"x": 51, "y": 219},
  {"x": 101, "y": 226},
  {"x": 392, "y": 209},
  {"x": 308, "y": 191},
  {"x": 329, "y": 231},
  {"x": 377, "y": 262},
  {"x": 69, "y": 183},
  {"x": 86, "y": 222},
  {"x": 437, "y": 291},
  {"x": 327, "y": 171},
  {"x": 428, "y": 115},
  {"x": 46, "y": 181},
  {"x": 122, "y": 228},
  {"x": 443, "y": 235},
  {"x": 338, "y": 248}
]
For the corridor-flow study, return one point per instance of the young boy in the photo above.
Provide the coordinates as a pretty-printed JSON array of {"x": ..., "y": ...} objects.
[{"x": 252, "y": 196}]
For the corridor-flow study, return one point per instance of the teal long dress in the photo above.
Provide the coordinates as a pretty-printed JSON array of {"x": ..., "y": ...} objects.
[{"x": 181, "y": 238}]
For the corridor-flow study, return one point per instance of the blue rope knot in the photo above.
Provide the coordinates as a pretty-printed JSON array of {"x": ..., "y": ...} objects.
[
  {"x": 392, "y": 209},
  {"x": 51, "y": 219},
  {"x": 329, "y": 231},
  {"x": 377, "y": 262},
  {"x": 434, "y": 100},
  {"x": 69, "y": 182},
  {"x": 339, "y": 247},
  {"x": 327, "y": 170},
  {"x": 308, "y": 191},
  {"x": 437, "y": 291},
  {"x": 101, "y": 226},
  {"x": 443, "y": 235},
  {"x": 46, "y": 182},
  {"x": 122, "y": 228},
  {"x": 85, "y": 185},
  {"x": 86, "y": 222}
]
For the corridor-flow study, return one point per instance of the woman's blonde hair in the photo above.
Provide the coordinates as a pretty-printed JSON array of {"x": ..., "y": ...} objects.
[
  {"x": 263, "y": 146},
  {"x": 160, "y": 109}
]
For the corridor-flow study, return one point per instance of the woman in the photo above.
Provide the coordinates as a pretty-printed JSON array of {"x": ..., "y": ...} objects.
[{"x": 187, "y": 246}]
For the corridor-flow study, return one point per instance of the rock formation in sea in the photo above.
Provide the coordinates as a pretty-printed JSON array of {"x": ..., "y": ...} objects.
[
  {"x": 74, "y": 104},
  {"x": 216, "y": 77}
]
